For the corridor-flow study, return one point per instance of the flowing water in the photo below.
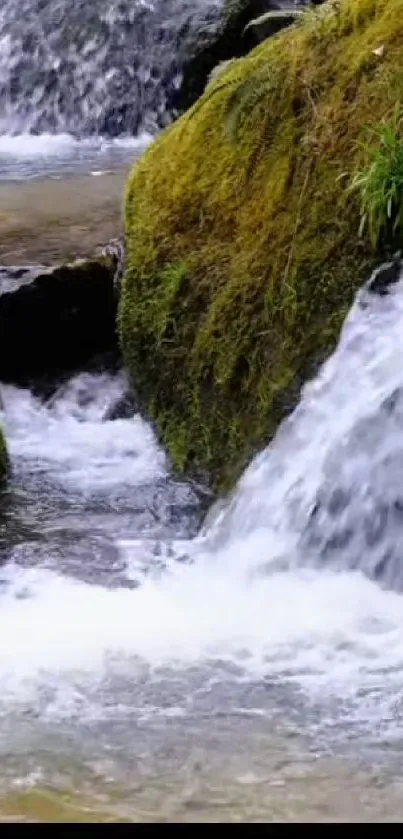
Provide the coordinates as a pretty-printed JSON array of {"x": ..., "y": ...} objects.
[
  {"x": 244, "y": 669},
  {"x": 157, "y": 664},
  {"x": 81, "y": 83},
  {"x": 105, "y": 67}
]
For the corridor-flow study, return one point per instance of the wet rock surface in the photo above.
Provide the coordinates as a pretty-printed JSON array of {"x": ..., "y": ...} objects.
[
  {"x": 54, "y": 319},
  {"x": 385, "y": 277},
  {"x": 122, "y": 408},
  {"x": 224, "y": 34}
]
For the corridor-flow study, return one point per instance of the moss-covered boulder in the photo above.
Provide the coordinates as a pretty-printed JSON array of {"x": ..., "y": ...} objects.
[{"x": 242, "y": 236}]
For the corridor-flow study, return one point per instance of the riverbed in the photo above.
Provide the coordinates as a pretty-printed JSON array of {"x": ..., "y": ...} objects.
[{"x": 60, "y": 199}]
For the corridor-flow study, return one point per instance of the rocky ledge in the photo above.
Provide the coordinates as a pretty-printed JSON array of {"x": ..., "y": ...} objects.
[{"x": 55, "y": 319}]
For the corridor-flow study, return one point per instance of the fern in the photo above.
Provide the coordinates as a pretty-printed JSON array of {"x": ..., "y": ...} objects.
[
  {"x": 246, "y": 98},
  {"x": 284, "y": 17},
  {"x": 211, "y": 90}
]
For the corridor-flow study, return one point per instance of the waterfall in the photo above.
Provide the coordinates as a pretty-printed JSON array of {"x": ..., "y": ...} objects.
[{"x": 107, "y": 67}]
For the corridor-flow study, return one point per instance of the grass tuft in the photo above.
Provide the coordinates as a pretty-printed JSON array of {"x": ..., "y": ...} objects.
[{"x": 380, "y": 183}]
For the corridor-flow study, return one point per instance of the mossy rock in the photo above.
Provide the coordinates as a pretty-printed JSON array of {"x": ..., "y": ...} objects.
[
  {"x": 243, "y": 247},
  {"x": 220, "y": 37}
]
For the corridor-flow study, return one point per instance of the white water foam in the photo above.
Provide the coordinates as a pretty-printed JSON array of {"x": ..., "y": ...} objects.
[
  {"x": 27, "y": 146},
  {"x": 69, "y": 440},
  {"x": 24, "y": 156},
  {"x": 333, "y": 634}
]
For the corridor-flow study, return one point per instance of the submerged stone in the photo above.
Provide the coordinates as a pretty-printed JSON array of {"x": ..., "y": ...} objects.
[{"x": 122, "y": 408}]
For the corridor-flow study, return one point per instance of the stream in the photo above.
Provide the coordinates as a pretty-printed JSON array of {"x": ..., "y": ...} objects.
[
  {"x": 163, "y": 658},
  {"x": 160, "y": 665}
]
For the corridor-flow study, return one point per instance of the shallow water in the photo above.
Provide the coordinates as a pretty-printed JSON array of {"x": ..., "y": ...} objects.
[
  {"x": 46, "y": 221},
  {"x": 26, "y": 157},
  {"x": 61, "y": 198}
]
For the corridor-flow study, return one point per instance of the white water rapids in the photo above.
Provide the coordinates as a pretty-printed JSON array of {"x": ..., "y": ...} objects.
[{"x": 253, "y": 622}]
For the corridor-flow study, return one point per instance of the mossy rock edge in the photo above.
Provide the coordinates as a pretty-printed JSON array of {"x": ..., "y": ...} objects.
[
  {"x": 243, "y": 254},
  {"x": 216, "y": 41}
]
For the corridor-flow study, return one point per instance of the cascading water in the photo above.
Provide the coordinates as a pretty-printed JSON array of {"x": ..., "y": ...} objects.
[
  {"x": 141, "y": 654},
  {"x": 338, "y": 460},
  {"x": 91, "y": 68},
  {"x": 126, "y": 631},
  {"x": 83, "y": 84}
]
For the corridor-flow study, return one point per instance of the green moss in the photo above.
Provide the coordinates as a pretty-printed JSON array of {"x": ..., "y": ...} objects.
[{"x": 243, "y": 246}]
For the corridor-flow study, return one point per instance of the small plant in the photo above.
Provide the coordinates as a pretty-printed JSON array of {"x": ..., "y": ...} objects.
[
  {"x": 257, "y": 90},
  {"x": 380, "y": 183}
]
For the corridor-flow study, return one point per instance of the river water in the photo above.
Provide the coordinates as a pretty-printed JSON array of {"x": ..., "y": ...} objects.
[
  {"x": 24, "y": 157},
  {"x": 157, "y": 668},
  {"x": 159, "y": 664}
]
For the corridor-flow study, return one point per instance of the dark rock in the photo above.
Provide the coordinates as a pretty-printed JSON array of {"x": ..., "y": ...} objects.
[
  {"x": 124, "y": 408},
  {"x": 224, "y": 35},
  {"x": 385, "y": 276},
  {"x": 217, "y": 38},
  {"x": 55, "y": 319}
]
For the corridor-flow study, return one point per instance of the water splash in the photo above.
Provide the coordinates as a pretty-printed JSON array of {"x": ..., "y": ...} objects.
[{"x": 67, "y": 440}]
